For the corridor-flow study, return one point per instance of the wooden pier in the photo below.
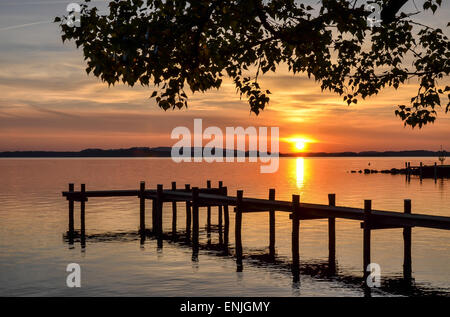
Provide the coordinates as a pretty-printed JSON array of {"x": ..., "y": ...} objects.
[{"x": 208, "y": 197}]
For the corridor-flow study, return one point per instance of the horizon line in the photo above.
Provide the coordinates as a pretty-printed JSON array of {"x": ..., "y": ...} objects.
[{"x": 164, "y": 151}]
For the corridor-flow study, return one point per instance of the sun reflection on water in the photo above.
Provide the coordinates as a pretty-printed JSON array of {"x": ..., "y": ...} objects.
[{"x": 300, "y": 171}]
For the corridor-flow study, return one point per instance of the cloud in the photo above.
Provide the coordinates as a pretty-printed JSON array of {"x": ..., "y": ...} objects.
[{"x": 13, "y": 27}]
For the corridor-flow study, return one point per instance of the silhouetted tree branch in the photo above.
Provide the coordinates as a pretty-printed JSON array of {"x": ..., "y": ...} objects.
[
  {"x": 390, "y": 9},
  {"x": 171, "y": 45}
]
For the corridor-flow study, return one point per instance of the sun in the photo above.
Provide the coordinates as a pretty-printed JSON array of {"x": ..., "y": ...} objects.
[{"x": 300, "y": 145}]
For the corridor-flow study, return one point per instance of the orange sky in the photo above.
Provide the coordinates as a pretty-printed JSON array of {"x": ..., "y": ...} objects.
[{"x": 47, "y": 102}]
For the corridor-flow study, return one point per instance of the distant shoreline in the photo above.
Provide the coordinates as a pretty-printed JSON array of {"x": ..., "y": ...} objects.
[{"x": 166, "y": 152}]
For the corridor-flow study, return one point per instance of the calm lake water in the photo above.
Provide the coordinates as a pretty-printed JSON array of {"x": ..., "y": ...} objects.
[{"x": 33, "y": 219}]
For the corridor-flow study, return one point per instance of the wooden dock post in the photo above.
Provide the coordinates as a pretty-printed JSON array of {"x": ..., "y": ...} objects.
[
  {"x": 71, "y": 221},
  {"x": 435, "y": 171},
  {"x": 208, "y": 211},
  {"x": 409, "y": 172},
  {"x": 159, "y": 209},
  {"x": 174, "y": 213},
  {"x": 295, "y": 238},
  {"x": 219, "y": 215},
  {"x": 332, "y": 236},
  {"x": 142, "y": 207},
  {"x": 272, "y": 225},
  {"x": 188, "y": 215},
  {"x": 406, "y": 171},
  {"x": 195, "y": 220},
  {"x": 82, "y": 216},
  {"x": 154, "y": 216},
  {"x": 226, "y": 217},
  {"x": 238, "y": 229},
  {"x": 366, "y": 238},
  {"x": 407, "y": 269}
]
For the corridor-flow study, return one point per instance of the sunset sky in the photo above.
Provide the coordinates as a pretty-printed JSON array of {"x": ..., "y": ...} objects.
[{"x": 47, "y": 101}]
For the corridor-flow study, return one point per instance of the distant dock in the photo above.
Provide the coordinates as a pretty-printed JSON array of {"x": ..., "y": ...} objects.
[{"x": 423, "y": 171}]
